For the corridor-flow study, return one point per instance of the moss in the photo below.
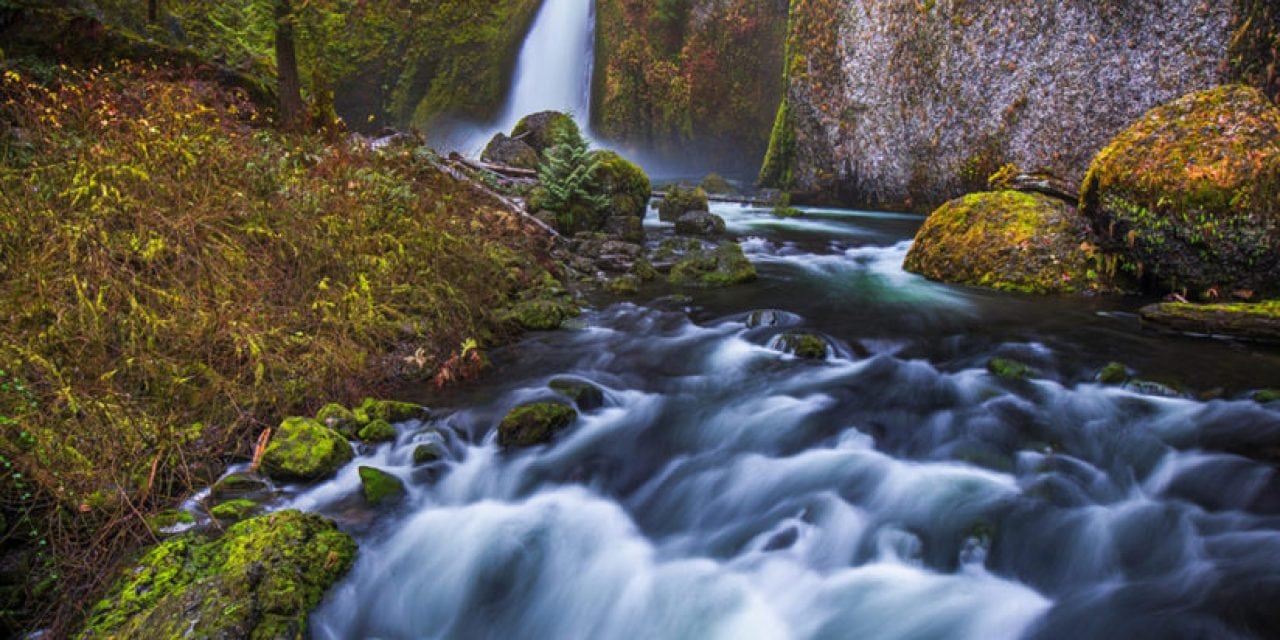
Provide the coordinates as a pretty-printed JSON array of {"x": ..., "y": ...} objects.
[
  {"x": 338, "y": 418},
  {"x": 803, "y": 345},
  {"x": 533, "y": 424},
  {"x": 390, "y": 410},
  {"x": 1024, "y": 242},
  {"x": 1113, "y": 373},
  {"x": 378, "y": 431},
  {"x": 1006, "y": 369},
  {"x": 234, "y": 510},
  {"x": 541, "y": 130},
  {"x": 679, "y": 200},
  {"x": 427, "y": 453},
  {"x": 541, "y": 315},
  {"x": 259, "y": 580},
  {"x": 715, "y": 183},
  {"x": 786, "y": 212},
  {"x": 379, "y": 486},
  {"x": 303, "y": 449},
  {"x": 644, "y": 270},
  {"x": 624, "y": 285},
  {"x": 237, "y": 484},
  {"x": 169, "y": 519},
  {"x": 587, "y": 396},
  {"x": 721, "y": 267},
  {"x": 1190, "y": 193},
  {"x": 1259, "y": 321},
  {"x": 1267, "y": 395},
  {"x": 624, "y": 182}
]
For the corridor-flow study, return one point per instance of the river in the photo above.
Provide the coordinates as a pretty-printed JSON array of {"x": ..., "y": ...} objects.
[{"x": 895, "y": 489}]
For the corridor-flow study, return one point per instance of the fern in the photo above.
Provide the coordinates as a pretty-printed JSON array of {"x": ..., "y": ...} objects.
[{"x": 567, "y": 177}]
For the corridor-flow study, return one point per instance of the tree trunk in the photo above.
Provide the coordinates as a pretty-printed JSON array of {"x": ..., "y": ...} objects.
[
  {"x": 153, "y": 11},
  {"x": 291, "y": 113}
]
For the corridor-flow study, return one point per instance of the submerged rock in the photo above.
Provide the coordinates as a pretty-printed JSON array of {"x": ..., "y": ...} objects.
[
  {"x": 1190, "y": 194},
  {"x": 513, "y": 152},
  {"x": 587, "y": 396},
  {"x": 1257, "y": 321},
  {"x": 238, "y": 485},
  {"x": 303, "y": 449},
  {"x": 379, "y": 486},
  {"x": 1113, "y": 373},
  {"x": 259, "y": 580},
  {"x": 1007, "y": 240},
  {"x": 700, "y": 223},
  {"x": 533, "y": 424},
  {"x": 723, "y": 266},
  {"x": 680, "y": 201},
  {"x": 803, "y": 345},
  {"x": 234, "y": 510},
  {"x": 1006, "y": 369},
  {"x": 377, "y": 431}
]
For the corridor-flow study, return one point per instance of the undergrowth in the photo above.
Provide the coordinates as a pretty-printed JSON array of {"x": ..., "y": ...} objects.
[{"x": 173, "y": 278}]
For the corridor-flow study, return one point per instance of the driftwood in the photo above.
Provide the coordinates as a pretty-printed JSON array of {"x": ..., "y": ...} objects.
[
  {"x": 500, "y": 169},
  {"x": 511, "y": 204}
]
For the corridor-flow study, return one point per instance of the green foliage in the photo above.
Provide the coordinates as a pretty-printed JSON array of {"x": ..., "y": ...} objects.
[{"x": 567, "y": 176}]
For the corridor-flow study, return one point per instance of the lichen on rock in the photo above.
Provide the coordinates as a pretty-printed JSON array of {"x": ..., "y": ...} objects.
[{"x": 259, "y": 580}]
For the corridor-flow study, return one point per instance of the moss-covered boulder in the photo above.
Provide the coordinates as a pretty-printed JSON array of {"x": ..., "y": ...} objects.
[
  {"x": 388, "y": 410},
  {"x": 379, "y": 486},
  {"x": 427, "y": 453},
  {"x": 541, "y": 315},
  {"x": 700, "y": 223},
  {"x": 1007, "y": 240},
  {"x": 624, "y": 182},
  {"x": 1007, "y": 369},
  {"x": 802, "y": 345},
  {"x": 587, "y": 396},
  {"x": 1113, "y": 373},
  {"x": 1257, "y": 321},
  {"x": 505, "y": 150},
  {"x": 377, "y": 431},
  {"x": 339, "y": 418},
  {"x": 716, "y": 183},
  {"x": 533, "y": 424},
  {"x": 303, "y": 449},
  {"x": 234, "y": 510},
  {"x": 238, "y": 485},
  {"x": 720, "y": 267},
  {"x": 541, "y": 130},
  {"x": 259, "y": 580},
  {"x": 679, "y": 201},
  {"x": 1191, "y": 193}
]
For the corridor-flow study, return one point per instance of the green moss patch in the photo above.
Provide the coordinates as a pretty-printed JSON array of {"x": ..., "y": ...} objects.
[
  {"x": 234, "y": 510},
  {"x": 803, "y": 345},
  {"x": 377, "y": 431},
  {"x": 679, "y": 201},
  {"x": 1007, "y": 369},
  {"x": 379, "y": 486},
  {"x": 720, "y": 267},
  {"x": 1258, "y": 321},
  {"x": 533, "y": 424},
  {"x": 303, "y": 449}
]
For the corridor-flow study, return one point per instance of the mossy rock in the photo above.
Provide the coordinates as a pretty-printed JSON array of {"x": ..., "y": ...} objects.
[
  {"x": 377, "y": 431},
  {"x": 234, "y": 510},
  {"x": 168, "y": 519},
  {"x": 1007, "y": 240},
  {"x": 237, "y": 485},
  {"x": 379, "y": 486},
  {"x": 700, "y": 223},
  {"x": 510, "y": 152},
  {"x": 259, "y": 580},
  {"x": 624, "y": 285},
  {"x": 643, "y": 269},
  {"x": 803, "y": 345},
  {"x": 389, "y": 410},
  {"x": 721, "y": 267},
  {"x": 1190, "y": 193},
  {"x": 1155, "y": 388},
  {"x": 587, "y": 396},
  {"x": 542, "y": 315},
  {"x": 680, "y": 201},
  {"x": 1255, "y": 321},
  {"x": 623, "y": 181},
  {"x": 1113, "y": 373},
  {"x": 533, "y": 424},
  {"x": 338, "y": 418},
  {"x": 1007, "y": 369},
  {"x": 427, "y": 453},
  {"x": 715, "y": 183},
  {"x": 303, "y": 449},
  {"x": 541, "y": 130},
  {"x": 1265, "y": 396},
  {"x": 787, "y": 212}
]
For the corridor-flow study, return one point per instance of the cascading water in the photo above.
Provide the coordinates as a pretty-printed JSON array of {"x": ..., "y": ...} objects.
[{"x": 894, "y": 490}]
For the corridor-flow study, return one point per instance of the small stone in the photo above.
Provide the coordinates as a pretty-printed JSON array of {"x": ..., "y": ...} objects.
[
  {"x": 304, "y": 449},
  {"x": 700, "y": 223},
  {"x": 339, "y": 418},
  {"x": 1113, "y": 373},
  {"x": 587, "y": 396},
  {"x": 1006, "y": 369},
  {"x": 169, "y": 520},
  {"x": 379, "y": 486},
  {"x": 1266, "y": 395},
  {"x": 427, "y": 453}
]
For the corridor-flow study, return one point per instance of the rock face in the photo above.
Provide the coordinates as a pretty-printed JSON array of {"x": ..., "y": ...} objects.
[
  {"x": 897, "y": 102},
  {"x": 1007, "y": 240},
  {"x": 259, "y": 580},
  {"x": 1191, "y": 193},
  {"x": 1259, "y": 321},
  {"x": 303, "y": 449}
]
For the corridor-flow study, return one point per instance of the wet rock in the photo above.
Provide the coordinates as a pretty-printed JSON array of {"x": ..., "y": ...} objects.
[
  {"x": 715, "y": 183},
  {"x": 1153, "y": 388},
  {"x": 339, "y": 418},
  {"x": 234, "y": 510},
  {"x": 541, "y": 130},
  {"x": 1266, "y": 396},
  {"x": 379, "y": 486},
  {"x": 238, "y": 485},
  {"x": 1007, "y": 369},
  {"x": 643, "y": 270},
  {"x": 542, "y": 315},
  {"x": 680, "y": 201},
  {"x": 377, "y": 431},
  {"x": 803, "y": 345},
  {"x": 388, "y": 410},
  {"x": 1256, "y": 321},
  {"x": 509, "y": 151},
  {"x": 1007, "y": 240},
  {"x": 700, "y": 223},
  {"x": 1190, "y": 194},
  {"x": 587, "y": 396},
  {"x": 765, "y": 318},
  {"x": 624, "y": 285},
  {"x": 427, "y": 453},
  {"x": 627, "y": 188},
  {"x": 723, "y": 266},
  {"x": 1113, "y": 373},
  {"x": 259, "y": 580},
  {"x": 303, "y": 449},
  {"x": 533, "y": 424},
  {"x": 169, "y": 520}
]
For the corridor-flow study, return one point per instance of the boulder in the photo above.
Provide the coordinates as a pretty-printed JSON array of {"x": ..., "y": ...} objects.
[
  {"x": 339, "y": 418},
  {"x": 1257, "y": 321},
  {"x": 625, "y": 183},
  {"x": 802, "y": 345},
  {"x": 303, "y": 449},
  {"x": 1113, "y": 373},
  {"x": 720, "y": 267},
  {"x": 541, "y": 130},
  {"x": 1007, "y": 240},
  {"x": 533, "y": 424},
  {"x": 377, "y": 431},
  {"x": 680, "y": 201},
  {"x": 587, "y": 396},
  {"x": 388, "y": 410},
  {"x": 259, "y": 580},
  {"x": 512, "y": 152},
  {"x": 379, "y": 486},
  {"x": 1189, "y": 195},
  {"x": 700, "y": 223},
  {"x": 1006, "y": 369},
  {"x": 427, "y": 453},
  {"x": 238, "y": 485},
  {"x": 234, "y": 510}
]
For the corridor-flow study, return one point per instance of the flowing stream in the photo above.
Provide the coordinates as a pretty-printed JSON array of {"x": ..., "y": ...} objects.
[{"x": 895, "y": 489}]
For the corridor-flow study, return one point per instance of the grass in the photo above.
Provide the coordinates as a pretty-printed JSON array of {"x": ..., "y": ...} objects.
[{"x": 174, "y": 278}]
